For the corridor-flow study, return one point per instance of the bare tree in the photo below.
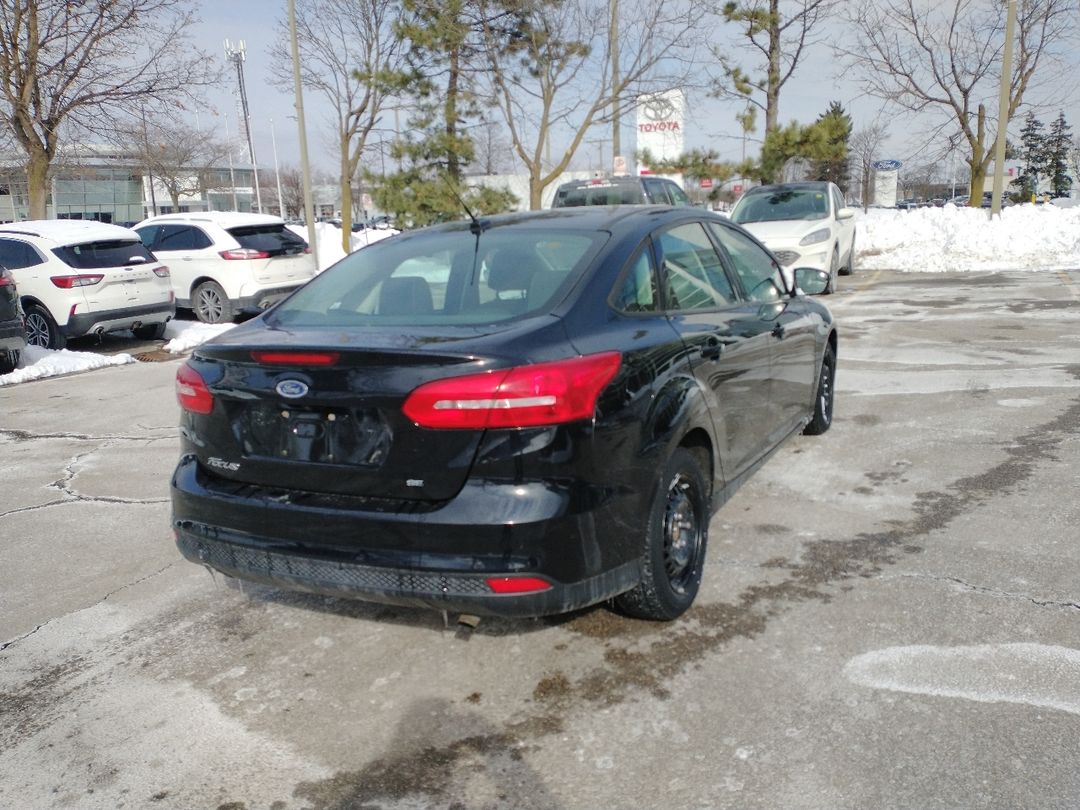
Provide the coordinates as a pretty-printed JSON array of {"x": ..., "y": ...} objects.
[
  {"x": 494, "y": 154},
  {"x": 349, "y": 53},
  {"x": 777, "y": 35},
  {"x": 85, "y": 64},
  {"x": 863, "y": 148},
  {"x": 292, "y": 189},
  {"x": 177, "y": 156},
  {"x": 942, "y": 58},
  {"x": 554, "y": 73}
]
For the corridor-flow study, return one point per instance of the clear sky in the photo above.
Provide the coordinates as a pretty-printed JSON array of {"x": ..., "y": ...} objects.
[{"x": 711, "y": 124}]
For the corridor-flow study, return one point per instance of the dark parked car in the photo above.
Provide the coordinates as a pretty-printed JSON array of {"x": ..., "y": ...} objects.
[
  {"x": 626, "y": 190},
  {"x": 518, "y": 416},
  {"x": 12, "y": 325}
]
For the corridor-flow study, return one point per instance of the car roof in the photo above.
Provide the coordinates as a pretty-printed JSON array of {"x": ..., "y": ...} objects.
[
  {"x": 801, "y": 184},
  {"x": 612, "y": 218},
  {"x": 225, "y": 219},
  {"x": 68, "y": 231}
]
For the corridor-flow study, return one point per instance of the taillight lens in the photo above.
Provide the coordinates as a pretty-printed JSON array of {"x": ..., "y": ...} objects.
[
  {"x": 524, "y": 396},
  {"x": 244, "y": 253},
  {"x": 296, "y": 358},
  {"x": 84, "y": 280},
  {"x": 191, "y": 391},
  {"x": 161, "y": 272},
  {"x": 5, "y": 279}
]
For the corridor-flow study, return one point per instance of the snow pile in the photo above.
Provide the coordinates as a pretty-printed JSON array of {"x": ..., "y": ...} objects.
[
  {"x": 328, "y": 240},
  {"x": 36, "y": 364},
  {"x": 183, "y": 336},
  {"x": 1025, "y": 237}
]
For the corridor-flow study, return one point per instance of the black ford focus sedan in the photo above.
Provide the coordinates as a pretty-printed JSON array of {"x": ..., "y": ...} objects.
[{"x": 520, "y": 415}]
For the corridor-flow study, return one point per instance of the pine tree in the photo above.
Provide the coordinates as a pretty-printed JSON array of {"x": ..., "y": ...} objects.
[
  {"x": 1033, "y": 153},
  {"x": 836, "y": 169},
  {"x": 1058, "y": 144}
]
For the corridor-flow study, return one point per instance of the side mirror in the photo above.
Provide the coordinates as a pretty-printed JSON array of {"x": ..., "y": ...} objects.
[
  {"x": 845, "y": 213},
  {"x": 811, "y": 280}
]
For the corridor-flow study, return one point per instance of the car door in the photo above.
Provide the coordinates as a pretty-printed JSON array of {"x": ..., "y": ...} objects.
[
  {"x": 182, "y": 248},
  {"x": 845, "y": 227},
  {"x": 728, "y": 338},
  {"x": 792, "y": 331}
]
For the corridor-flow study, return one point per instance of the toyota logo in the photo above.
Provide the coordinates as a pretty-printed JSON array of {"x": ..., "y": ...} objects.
[
  {"x": 291, "y": 389},
  {"x": 658, "y": 108}
]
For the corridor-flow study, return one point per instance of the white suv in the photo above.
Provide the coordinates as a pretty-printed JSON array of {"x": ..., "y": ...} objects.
[
  {"x": 80, "y": 277},
  {"x": 224, "y": 261}
]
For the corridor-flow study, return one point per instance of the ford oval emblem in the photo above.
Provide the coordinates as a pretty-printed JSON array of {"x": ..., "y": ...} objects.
[{"x": 291, "y": 389}]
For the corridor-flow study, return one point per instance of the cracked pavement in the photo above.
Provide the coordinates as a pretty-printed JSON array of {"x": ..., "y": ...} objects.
[{"x": 890, "y": 615}]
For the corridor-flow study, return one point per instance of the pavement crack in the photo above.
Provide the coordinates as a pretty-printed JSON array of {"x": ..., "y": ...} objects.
[
  {"x": 26, "y": 436},
  {"x": 22, "y": 509},
  {"x": 999, "y": 593},
  {"x": 10, "y": 642}
]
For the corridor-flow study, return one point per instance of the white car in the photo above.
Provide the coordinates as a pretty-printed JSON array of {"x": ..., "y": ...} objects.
[
  {"x": 223, "y": 261},
  {"x": 80, "y": 277},
  {"x": 803, "y": 224}
]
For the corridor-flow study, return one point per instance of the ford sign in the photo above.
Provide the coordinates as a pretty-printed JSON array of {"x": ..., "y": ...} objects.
[
  {"x": 886, "y": 165},
  {"x": 291, "y": 389}
]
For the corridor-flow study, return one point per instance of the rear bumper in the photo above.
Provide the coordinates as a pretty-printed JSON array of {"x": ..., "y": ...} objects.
[
  {"x": 265, "y": 298},
  {"x": 436, "y": 556},
  {"x": 116, "y": 319}
]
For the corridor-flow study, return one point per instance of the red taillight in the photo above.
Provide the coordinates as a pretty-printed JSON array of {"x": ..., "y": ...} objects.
[
  {"x": 296, "y": 358},
  {"x": 161, "y": 272},
  {"x": 307, "y": 249},
  {"x": 191, "y": 391},
  {"x": 517, "y": 584},
  {"x": 68, "y": 282},
  {"x": 5, "y": 279},
  {"x": 244, "y": 253},
  {"x": 525, "y": 396}
]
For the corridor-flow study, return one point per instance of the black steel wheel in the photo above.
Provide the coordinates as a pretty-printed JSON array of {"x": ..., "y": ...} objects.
[
  {"x": 675, "y": 542},
  {"x": 824, "y": 396},
  {"x": 41, "y": 329},
  {"x": 211, "y": 304}
]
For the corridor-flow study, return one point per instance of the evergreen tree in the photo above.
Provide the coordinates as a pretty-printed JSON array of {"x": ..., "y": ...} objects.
[
  {"x": 1058, "y": 145},
  {"x": 836, "y": 167},
  {"x": 1033, "y": 153}
]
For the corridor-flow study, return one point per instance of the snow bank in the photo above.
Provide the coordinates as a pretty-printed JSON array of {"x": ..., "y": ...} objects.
[
  {"x": 1024, "y": 237},
  {"x": 36, "y": 364},
  {"x": 183, "y": 336},
  {"x": 328, "y": 239}
]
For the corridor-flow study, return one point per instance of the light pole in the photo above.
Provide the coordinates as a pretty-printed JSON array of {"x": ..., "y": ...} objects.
[
  {"x": 305, "y": 167},
  {"x": 228, "y": 151},
  {"x": 1003, "y": 110},
  {"x": 237, "y": 54},
  {"x": 277, "y": 173}
]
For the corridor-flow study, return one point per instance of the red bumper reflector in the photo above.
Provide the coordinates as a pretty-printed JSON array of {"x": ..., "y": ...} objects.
[{"x": 518, "y": 584}]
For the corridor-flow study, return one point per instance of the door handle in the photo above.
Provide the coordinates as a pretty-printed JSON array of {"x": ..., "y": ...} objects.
[{"x": 778, "y": 331}]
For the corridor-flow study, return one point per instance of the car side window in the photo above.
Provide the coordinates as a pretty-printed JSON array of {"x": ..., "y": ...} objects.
[
  {"x": 148, "y": 234},
  {"x": 759, "y": 274},
  {"x": 638, "y": 290},
  {"x": 181, "y": 237},
  {"x": 16, "y": 255},
  {"x": 693, "y": 275},
  {"x": 657, "y": 192},
  {"x": 838, "y": 201},
  {"x": 678, "y": 196}
]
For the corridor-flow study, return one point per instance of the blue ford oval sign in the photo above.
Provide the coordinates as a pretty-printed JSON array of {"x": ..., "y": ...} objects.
[
  {"x": 291, "y": 389},
  {"x": 886, "y": 165}
]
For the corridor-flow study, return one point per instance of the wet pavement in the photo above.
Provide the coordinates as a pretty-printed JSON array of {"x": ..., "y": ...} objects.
[{"x": 890, "y": 615}]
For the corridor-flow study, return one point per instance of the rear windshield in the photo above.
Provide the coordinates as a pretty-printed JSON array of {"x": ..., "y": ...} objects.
[
  {"x": 601, "y": 194},
  {"x": 445, "y": 277},
  {"x": 96, "y": 255},
  {"x": 781, "y": 205},
  {"x": 274, "y": 239}
]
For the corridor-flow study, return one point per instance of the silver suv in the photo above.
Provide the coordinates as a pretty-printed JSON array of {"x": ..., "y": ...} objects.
[{"x": 619, "y": 191}]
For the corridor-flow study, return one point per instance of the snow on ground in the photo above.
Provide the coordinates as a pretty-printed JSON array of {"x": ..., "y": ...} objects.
[
  {"x": 36, "y": 364},
  {"x": 183, "y": 336},
  {"x": 328, "y": 240},
  {"x": 1025, "y": 237}
]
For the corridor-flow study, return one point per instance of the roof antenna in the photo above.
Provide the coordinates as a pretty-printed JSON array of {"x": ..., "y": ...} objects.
[{"x": 477, "y": 226}]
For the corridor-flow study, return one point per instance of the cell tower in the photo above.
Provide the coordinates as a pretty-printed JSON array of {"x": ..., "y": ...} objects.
[{"x": 237, "y": 54}]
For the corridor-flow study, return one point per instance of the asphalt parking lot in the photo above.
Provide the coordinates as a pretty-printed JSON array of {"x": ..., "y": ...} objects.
[{"x": 890, "y": 615}]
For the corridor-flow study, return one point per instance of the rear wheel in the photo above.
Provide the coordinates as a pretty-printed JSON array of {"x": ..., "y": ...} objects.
[
  {"x": 9, "y": 361},
  {"x": 211, "y": 304},
  {"x": 826, "y": 395},
  {"x": 150, "y": 331},
  {"x": 675, "y": 540},
  {"x": 41, "y": 329}
]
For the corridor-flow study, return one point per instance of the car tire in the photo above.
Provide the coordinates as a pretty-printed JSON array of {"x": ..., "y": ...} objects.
[
  {"x": 211, "y": 304},
  {"x": 675, "y": 540},
  {"x": 824, "y": 394},
  {"x": 41, "y": 328},
  {"x": 834, "y": 271},
  {"x": 850, "y": 268},
  {"x": 9, "y": 361},
  {"x": 150, "y": 331}
]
